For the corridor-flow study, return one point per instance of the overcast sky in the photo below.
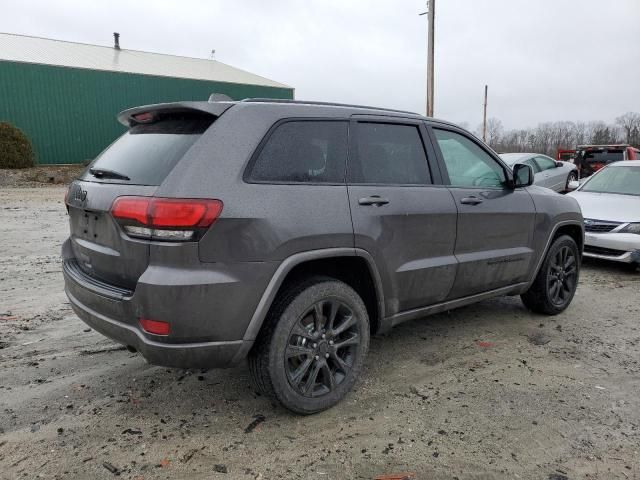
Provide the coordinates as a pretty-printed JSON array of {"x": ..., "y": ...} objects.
[{"x": 543, "y": 60}]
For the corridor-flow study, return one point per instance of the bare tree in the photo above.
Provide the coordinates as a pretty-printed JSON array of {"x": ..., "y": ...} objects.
[
  {"x": 494, "y": 131},
  {"x": 601, "y": 133},
  {"x": 548, "y": 137},
  {"x": 630, "y": 124},
  {"x": 579, "y": 134}
]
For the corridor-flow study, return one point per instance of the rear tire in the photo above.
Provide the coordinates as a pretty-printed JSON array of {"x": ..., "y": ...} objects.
[
  {"x": 556, "y": 282},
  {"x": 313, "y": 345},
  {"x": 572, "y": 177}
]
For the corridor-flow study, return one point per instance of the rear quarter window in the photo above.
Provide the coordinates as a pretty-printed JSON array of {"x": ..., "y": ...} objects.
[
  {"x": 302, "y": 151},
  {"x": 148, "y": 152}
]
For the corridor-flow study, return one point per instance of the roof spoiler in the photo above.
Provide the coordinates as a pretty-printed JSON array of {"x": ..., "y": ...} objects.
[{"x": 216, "y": 108}]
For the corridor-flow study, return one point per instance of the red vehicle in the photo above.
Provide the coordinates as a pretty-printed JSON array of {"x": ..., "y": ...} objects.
[
  {"x": 566, "y": 155},
  {"x": 591, "y": 158}
]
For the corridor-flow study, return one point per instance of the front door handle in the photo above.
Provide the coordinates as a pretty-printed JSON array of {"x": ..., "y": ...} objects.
[
  {"x": 471, "y": 200},
  {"x": 376, "y": 200}
]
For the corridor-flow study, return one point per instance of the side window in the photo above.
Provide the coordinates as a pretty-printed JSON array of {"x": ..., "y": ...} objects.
[
  {"x": 303, "y": 152},
  {"x": 545, "y": 163},
  {"x": 467, "y": 164},
  {"x": 389, "y": 154},
  {"x": 532, "y": 164}
]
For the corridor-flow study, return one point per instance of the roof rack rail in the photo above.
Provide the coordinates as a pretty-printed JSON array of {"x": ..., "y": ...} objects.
[{"x": 326, "y": 104}]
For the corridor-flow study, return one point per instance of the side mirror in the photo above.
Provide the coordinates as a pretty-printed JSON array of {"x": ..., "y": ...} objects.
[
  {"x": 522, "y": 175},
  {"x": 558, "y": 164},
  {"x": 572, "y": 185}
]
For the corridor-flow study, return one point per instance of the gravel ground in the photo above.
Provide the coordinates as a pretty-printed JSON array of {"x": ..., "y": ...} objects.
[{"x": 483, "y": 392}]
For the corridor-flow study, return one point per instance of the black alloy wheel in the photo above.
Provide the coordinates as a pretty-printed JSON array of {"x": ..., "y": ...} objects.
[
  {"x": 312, "y": 348},
  {"x": 322, "y": 347},
  {"x": 562, "y": 276},
  {"x": 557, "y": 279}
]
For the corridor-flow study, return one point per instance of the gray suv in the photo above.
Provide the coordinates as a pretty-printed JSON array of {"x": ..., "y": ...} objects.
[{"x": 288, "y": 232}]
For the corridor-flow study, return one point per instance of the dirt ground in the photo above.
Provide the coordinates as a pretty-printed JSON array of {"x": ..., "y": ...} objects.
[
  {"x": 41, "y": 175},
  {"x": 484, "y": 392}
]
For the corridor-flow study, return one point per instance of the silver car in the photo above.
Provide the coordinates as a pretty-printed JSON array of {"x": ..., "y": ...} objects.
[
  {"x": 610, "y": 203},
  {"x": 548, "y": 172}
]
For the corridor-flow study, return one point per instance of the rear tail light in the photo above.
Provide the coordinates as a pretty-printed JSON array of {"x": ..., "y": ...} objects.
[
  {"x": 169, "y": 219},
  {"x": 154, "y": 326}
]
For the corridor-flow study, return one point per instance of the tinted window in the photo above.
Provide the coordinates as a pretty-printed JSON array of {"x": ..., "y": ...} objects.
[
  {"x": 468, "y": 165},
  {"x": 545, "y": 163},
  {"x": 303, "y": 151},
  {"x": 148, "y": 152},
  {"x": 603, "y": 156},
  {"x": 389, "y": 154}
]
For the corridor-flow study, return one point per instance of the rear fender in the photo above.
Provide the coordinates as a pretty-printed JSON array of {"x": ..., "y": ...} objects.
[{"x": 280, "y": 275}]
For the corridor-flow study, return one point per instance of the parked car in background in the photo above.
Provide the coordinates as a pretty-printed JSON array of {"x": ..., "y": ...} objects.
[
  {"x": 288, "y": 232},
  {"x": 610, "y": 203},
  {"x": 566, "y": 155},
  {"x": 548, "y": 172},
  {"x": 591, "y": 158}
]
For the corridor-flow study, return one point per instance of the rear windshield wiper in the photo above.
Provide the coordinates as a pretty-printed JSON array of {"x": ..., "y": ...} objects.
[{"x": 105, "y": 173}]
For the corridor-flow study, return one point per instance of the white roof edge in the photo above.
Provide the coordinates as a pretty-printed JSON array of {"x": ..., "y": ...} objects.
[{"x": 29, "y": 49}]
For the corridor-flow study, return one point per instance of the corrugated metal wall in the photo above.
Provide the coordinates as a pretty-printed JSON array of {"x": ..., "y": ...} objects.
[{"x": 70, "y": 114}]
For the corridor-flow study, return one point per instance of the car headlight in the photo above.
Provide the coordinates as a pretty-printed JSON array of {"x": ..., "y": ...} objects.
[{"x": 632, "y": 228}]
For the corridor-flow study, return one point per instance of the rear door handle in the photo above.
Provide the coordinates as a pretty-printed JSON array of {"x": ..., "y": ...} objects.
[
  {"x": 376, "y": 200},
  {"x": 471, "y": 200}
]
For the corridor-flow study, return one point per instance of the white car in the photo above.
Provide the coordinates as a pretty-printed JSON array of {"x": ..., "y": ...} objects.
[
  {"x": 548, "y": 172},
  {"x": 610, "y": 203}
]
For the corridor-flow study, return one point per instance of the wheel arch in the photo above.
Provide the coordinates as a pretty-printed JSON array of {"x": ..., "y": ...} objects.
[
  {"x": 572, "y": 228},
  {"x": 574, "y": 231},
  {"x": 355, "y": 267}
]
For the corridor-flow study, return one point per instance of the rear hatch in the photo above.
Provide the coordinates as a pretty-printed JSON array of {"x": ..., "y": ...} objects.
[
  {"x": 597, "y": 158},
  {"x": 134, "y": 165}
]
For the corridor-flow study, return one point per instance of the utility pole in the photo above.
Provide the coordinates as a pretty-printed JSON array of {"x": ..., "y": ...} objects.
[
  {"x": 431, "y": 15},
  {"x": 484, "y": 120}
]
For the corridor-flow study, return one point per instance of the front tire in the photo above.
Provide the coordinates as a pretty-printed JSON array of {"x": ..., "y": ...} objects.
[
  {"x": 556, "y": 282},
  {"x": 313, "y": 346}
]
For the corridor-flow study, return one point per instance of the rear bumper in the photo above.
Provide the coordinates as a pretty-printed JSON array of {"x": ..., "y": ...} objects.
[
  {"x": 181, "y": 355},
  {"x": 208, "y": 308},
  {"x": 618, "y": 247}
]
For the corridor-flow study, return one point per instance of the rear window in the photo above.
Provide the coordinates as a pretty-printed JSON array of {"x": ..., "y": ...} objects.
[
  {"x": 310, "y": 151},
  {"x": 603, "y": 156},
  {"x": 147, "y": 153}
]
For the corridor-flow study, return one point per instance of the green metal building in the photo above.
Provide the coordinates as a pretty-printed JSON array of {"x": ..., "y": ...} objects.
[{"x": 65, "y": 96}]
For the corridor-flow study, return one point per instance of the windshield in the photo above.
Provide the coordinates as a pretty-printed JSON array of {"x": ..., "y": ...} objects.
[
  {"x": 622, "y": 180},
  {"x": 147, "y": 153}
]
